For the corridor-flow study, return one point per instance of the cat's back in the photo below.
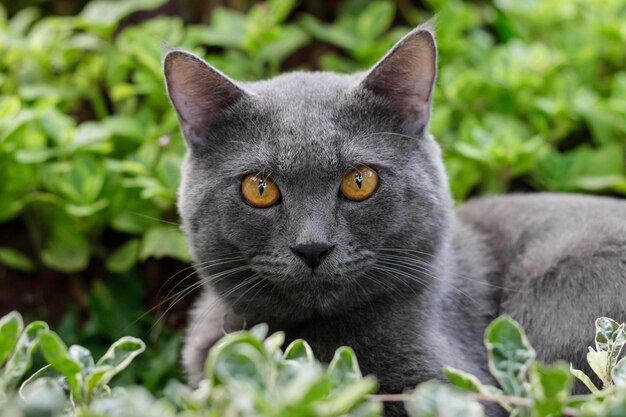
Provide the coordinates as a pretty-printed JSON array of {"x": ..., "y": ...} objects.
[
  {"x": 560, "y": 262},
  {"x": 560, "y": 220}
]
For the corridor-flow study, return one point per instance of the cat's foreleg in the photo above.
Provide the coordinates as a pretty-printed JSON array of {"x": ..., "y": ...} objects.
[{"x": 209, "y": 320}]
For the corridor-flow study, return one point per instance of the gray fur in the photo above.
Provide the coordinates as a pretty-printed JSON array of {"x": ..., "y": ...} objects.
[{"x": 411, "y": 283}]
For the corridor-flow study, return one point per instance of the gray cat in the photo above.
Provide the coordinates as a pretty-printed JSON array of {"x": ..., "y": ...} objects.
[{"x": 318, "y": 203}]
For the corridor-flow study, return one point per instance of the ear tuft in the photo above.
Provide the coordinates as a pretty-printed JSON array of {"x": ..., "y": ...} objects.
[
  {"x": 198, "y": 92},
  {"x": 405, "y": 77}
]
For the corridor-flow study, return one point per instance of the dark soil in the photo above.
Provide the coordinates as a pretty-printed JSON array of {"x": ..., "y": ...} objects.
[{"x": 47, "y": 294}]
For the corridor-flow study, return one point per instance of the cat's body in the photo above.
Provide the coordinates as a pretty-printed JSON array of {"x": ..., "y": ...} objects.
[{"x": 406, "y": 281}]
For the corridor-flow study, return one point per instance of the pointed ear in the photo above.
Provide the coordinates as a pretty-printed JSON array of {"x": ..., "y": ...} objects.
[
  {"x": 405, "y": 77},
  {"x": 199, "y": 93}
]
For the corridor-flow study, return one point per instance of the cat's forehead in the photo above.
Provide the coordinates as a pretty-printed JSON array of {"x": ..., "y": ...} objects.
[
  {"x": 304, "y": 87},
  {"x": 301, "y": 124},
  {"x": 305, "y": 115}
]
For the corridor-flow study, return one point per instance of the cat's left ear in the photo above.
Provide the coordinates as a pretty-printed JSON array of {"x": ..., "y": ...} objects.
[
  {"x": 200, "y": 93},
  {"x": 405, "y": 77}
]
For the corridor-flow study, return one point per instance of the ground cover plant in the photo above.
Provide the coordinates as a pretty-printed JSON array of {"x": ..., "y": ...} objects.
[
  {"x": 249, "y": 374},
  {"x": 530, "y": 96}
]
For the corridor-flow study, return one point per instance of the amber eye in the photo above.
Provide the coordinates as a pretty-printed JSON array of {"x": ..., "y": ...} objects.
[
  {"x": 259, "y": 190},
  {"x": 359, "y": 183}
]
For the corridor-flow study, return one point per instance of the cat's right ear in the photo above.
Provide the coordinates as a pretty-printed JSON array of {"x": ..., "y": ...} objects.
[
  {"x": 405, "y": 77},
  {"x": 199, "y": 93}
]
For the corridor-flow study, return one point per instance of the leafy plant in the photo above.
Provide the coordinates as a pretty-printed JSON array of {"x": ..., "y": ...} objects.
[
  {"x": 528, "y": 387},
  {"x": 364, "y": 35},
  {"x": 89, "y": 143},
  {"x": 255, "y": 43},
  {"x": 248, "y": 374}
]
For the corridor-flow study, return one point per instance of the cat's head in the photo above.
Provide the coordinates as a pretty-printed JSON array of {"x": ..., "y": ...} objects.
[{"x": 311, "y": 192}]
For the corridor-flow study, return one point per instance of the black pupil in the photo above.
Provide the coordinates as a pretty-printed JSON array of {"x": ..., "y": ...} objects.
[
  {"x": 358, "y": 178},
  {"x": 261, "y": 186}
]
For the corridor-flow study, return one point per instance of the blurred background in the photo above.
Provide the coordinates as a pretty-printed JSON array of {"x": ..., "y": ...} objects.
[{"x": 531, "y": 96}]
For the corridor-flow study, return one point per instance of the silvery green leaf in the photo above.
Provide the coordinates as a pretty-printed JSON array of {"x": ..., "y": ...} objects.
[
  {"x": 21, "y": 359},
  {"x": 509, "y": 354},
  {"x": 599, "y": 363},
  {"x": 346, "y": 398},
  {"x": 260, "y": 331},
  {"x": 605, "y": 333},
  {"x": 434, "y": 399},
  {"x": 44, "y": 397},
  {"x": 618, "y": 374},
  {"x": 242, "y": 359},
  {"x": 584, "y": 379},
  {"x": 469, "y": 382},
  {"x": 57, "y": 354},
  {"x": 299, "y": 350},
  {"x": 83, "y": 356},
  {"x": 344, "y": 367},
  {"x": 610, "y": 337},
  {"x": 550, "y": 388},
  {"x": 274, "y": 342},
  {"x": 116, "y": 359},
  {"x": 11, "y": 326}
]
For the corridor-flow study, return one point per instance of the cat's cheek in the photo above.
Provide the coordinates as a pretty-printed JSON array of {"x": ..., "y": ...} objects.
[{"x": 249, "y": 227}]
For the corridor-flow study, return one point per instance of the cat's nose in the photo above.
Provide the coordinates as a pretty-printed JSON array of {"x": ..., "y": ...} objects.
[{"x": 312, "y": 254}]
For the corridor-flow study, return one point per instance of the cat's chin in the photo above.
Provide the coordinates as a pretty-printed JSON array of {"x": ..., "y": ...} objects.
[{"x": 311, "y": 278}]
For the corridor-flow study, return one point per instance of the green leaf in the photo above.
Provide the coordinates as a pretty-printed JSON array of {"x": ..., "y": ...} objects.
[
  {"x": 367, "y": 409},
  {"x": 240, "y": 356},
  {"x": 299, "y": 350},
  {"x": 243, "y": 363},
  {"x": 16, "y": 260},
  {"x": 344, "y": 367},
  {"x": 162, "y": 241},
  {"x": 610, "y": 337},
  {"x": 375, "y": 19},
  {"x": 68, "y": 254},
  {"x": 57, "y": 354},
  {"x": 107, "y": 14},
  {"x": 347, "y": 398},
  {"x": 550, "y": 388},
  {"x": 434, "y": 399},
  {"x": 274, "y": 342},
  {"x": 21, "y": 359},
  {"x": 11, "y": 325},
  {"x": 599, "y": 363},
  {"x": 83, "y": 356},
  {"x": 469, "y": 382},
  {"x": 332, "y": 34},
  {"x": 44, "y": 397},
  {"x": 618, "y": 375},
  {"x": 259, "y": 331},
  {"x": 580, "y": 375},
  {"x": 124, "y": 257},
  {"x": 280, "y": 9},
  {"x": 509, "y": 354},
  {"x": 115, "y": 360},
  {"x": 462, "y": 379}
]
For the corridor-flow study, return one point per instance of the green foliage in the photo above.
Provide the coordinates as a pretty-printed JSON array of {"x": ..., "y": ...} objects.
[
  {"x": 529, "y": 95},
  {"x": 255, "y": 43},
  {"x": 531, "y": 388},
  {"x": 247, "y": 374}
]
